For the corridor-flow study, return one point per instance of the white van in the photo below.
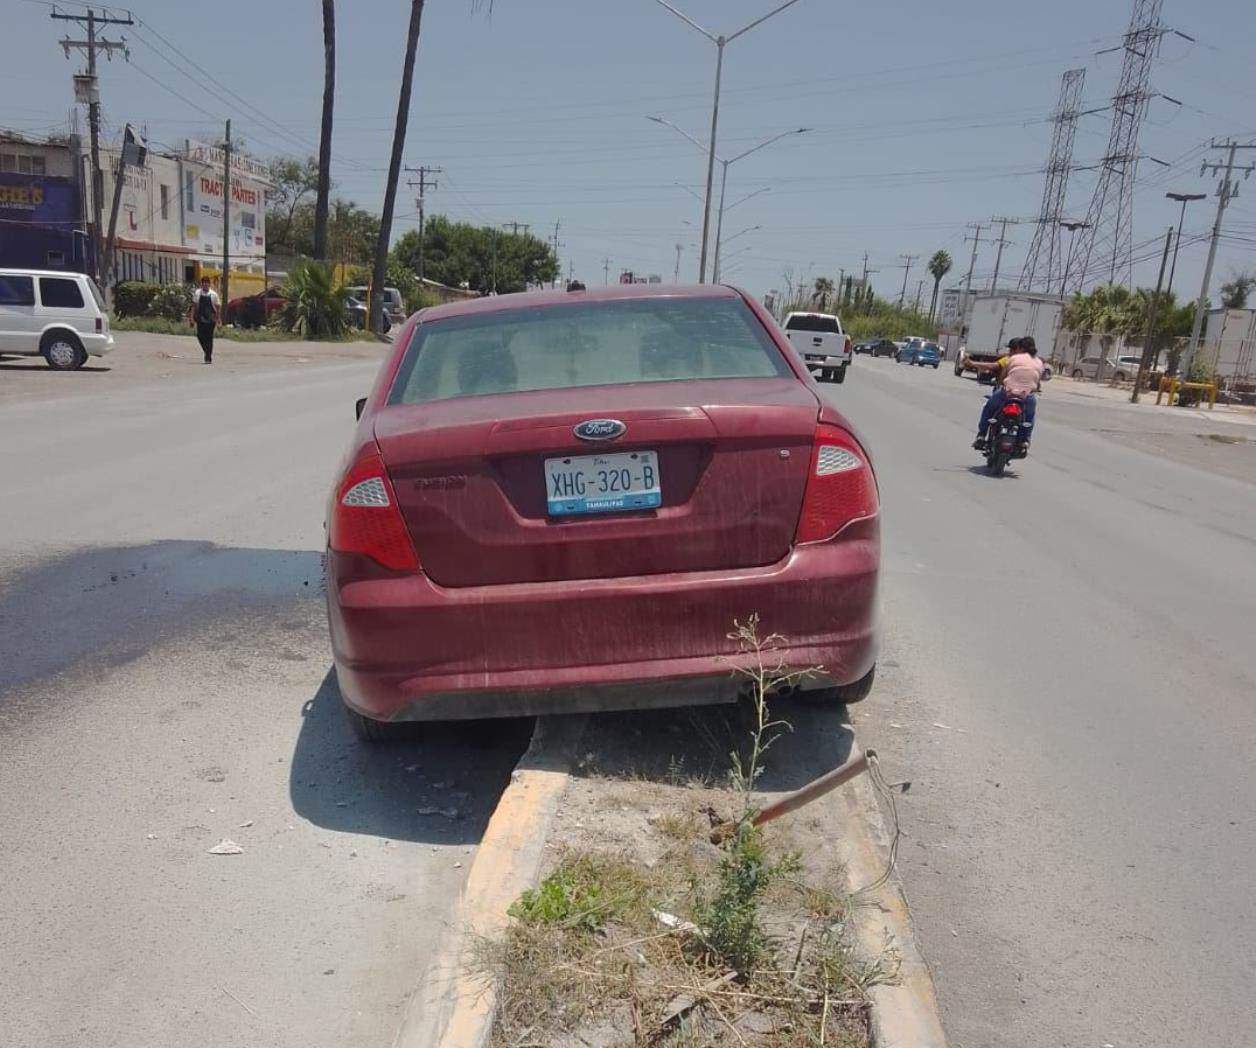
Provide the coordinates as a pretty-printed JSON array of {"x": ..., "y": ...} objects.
[{"x": 53, "y": 314}]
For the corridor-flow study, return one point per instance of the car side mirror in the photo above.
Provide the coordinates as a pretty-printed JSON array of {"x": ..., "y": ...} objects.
[{"x": 359, "y": 407}]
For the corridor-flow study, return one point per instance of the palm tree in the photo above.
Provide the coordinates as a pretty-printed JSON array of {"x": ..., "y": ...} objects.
[
  {"x": 823, "y": 291},
  {"x": 379, "y": 274},
  {"x": 324, "y": 142},
  {"x": 939, "y": 265}
]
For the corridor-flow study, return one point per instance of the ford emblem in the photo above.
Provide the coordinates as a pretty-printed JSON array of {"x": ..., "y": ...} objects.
[{"x": 600, "y": 429}]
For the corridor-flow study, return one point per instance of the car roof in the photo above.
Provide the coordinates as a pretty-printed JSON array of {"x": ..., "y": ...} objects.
[
  {"x": 807, "y": 313},
  {"x": 607, "y": 293},
  {"x": 41, "y": 273}
]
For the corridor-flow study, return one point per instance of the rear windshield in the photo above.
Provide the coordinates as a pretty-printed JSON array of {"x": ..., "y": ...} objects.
[
  {"x": 602, "y": 343},
  {"x": 806, "y": 322}
]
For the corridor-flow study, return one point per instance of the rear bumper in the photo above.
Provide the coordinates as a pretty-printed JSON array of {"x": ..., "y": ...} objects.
[
  {"x": 814, "y": 363},
  {"x": 97, "y": 345},
  {"x": 407, "y": 649}
]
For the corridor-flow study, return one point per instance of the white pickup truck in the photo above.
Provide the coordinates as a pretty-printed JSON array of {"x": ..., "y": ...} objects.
[{"x": 822, "y": 344}]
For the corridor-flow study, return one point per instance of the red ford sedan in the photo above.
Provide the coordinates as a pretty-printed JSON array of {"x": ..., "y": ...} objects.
[{"x": 560, "y": 501}]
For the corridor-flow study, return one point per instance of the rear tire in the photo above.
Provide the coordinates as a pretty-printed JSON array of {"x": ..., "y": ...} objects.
[
  {"x": 935, "y": 367},
  {"x": 839, "y": 375},
  {"x": 997, "y": 463},
  {"x": 1077, "y": 373},
  {"x": 63, "y": 351},
  {"x": 377, "y": 732},
  {"x": 845, "y": 694}
]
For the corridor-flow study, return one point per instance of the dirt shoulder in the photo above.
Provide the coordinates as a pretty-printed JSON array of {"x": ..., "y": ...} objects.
[{"x": 140, "y": 358}]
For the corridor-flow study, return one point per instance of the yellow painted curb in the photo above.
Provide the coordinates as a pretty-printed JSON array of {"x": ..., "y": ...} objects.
[
  {"x": 455, "y": 1007},
  {"x": 905, "y": 1013}
]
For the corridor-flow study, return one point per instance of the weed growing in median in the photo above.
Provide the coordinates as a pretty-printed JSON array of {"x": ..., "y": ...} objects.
[{"x": 679, "y": 943}]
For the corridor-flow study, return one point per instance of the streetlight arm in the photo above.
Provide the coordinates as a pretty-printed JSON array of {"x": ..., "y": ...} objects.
[
  {"x": 745, "y": 28},
  {"x": 748, "y": 229},
  {"x": 691, "y": 23},
  {"x": 774, "y": 138},
  {"x": 742, "y": 200},
  {"x": 667, "y": 123}
]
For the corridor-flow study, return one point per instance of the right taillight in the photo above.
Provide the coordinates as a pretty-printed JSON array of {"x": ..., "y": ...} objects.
[
  {"x": 840, "y": 485},
  {"x": 366, "y": 519}
]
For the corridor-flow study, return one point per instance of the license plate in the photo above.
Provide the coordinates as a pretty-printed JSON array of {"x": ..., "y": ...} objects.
[
  {"x": 602, "y": 483},
  {"x": 810, "y": 357}
]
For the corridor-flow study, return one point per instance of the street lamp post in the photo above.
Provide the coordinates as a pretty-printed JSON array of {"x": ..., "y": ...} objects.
[
  {"x": 726, "y": 164},
  {"x": 1183, "y": 199},
  {"x": 719, "y": 41},
  {"x": 1072, "y": 228}
]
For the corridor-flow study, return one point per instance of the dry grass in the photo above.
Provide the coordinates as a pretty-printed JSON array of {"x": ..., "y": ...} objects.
[{"x": 586, "y": 960}]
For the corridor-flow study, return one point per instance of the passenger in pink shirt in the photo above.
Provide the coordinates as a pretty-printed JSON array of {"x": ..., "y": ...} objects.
[{"x": 1020, "y": 376}]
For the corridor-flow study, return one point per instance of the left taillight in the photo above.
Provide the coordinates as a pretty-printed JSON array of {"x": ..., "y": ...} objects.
[
  {"x": 366, "y": 518},
  {"x": 840, "y": 485}
]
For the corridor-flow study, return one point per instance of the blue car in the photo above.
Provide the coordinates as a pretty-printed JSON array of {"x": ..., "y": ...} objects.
[{"x": 920, "y": 353}]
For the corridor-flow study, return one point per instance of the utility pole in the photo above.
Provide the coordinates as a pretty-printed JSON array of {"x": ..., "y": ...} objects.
[
  {"x": 90, "y": 21},
  {"x": 1148, "y": 340},
  {"x": 907, "y": 261},
  {"x": 998, "y": 258},
  {"x": 422, "y": 185},
  {"x": 972, "y": 262},
  {"x": 676, "y": 271},
  {"x": 1227, "y": 190},
  {"x": 554, "y": 242},
  {"x": 606, "y": 266},
  {"x": 515, "y": 227},
  {"x": 920, "y": 286},
  {"x": 225, "y": 284}
]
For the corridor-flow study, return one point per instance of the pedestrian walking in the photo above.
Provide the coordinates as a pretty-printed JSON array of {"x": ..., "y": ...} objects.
[{"x": 204, "y": 314}]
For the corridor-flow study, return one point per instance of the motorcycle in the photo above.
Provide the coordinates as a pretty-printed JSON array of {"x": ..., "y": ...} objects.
[{"x": 1003, "y": 439}]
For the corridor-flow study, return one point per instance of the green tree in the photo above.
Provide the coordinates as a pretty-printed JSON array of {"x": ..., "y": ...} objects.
[
  {"x": 482, "y": 258},
  {"x": 939, "y": 265},
  {"x": 292, "y": 181},
  {"x": 823, "y": 292},
  {"x": 1235, "y": 291},
  {"x": 315, "y": 307}
]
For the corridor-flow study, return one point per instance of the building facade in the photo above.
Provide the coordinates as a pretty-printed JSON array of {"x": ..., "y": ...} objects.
[{"x": 41, "y": 205}]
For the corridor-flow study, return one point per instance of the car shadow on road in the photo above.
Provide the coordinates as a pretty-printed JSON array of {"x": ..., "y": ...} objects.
[
  {"x": 695, "y": 744},
  {"x": 38, "y": 365},
  {"x": 439, "y": 786}
]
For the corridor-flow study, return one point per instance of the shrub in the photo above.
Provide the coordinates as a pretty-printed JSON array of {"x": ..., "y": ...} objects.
[
  {"x": 137, "y": 298},
  {"x": 132, "y": 298},
  {"x": 315, "y": 306},
  {"x": 170, "y": 301}
]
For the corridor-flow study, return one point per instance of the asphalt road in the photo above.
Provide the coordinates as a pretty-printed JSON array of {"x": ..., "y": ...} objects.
[
  {"x": 1067, "y": 680},
  {"x": 164, "y": 685}
]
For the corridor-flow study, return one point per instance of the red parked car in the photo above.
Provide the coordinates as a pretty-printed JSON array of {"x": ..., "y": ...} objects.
[
  {"x": 560, "y": 501},
  {"x": 255, "y": 310}
]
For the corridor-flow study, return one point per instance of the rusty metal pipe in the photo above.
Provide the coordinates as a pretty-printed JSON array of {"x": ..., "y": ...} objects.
[{"x": 826, "y": 783}]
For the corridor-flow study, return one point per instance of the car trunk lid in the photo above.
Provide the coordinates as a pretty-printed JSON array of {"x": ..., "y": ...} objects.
[{"x": 732, "y": 458}]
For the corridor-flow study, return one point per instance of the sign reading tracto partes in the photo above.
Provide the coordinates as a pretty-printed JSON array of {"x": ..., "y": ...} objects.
[{"x": 203, "y": 192}]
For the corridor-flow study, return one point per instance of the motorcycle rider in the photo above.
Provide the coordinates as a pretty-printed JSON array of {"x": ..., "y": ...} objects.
[{"x": 1020, "y": 375}]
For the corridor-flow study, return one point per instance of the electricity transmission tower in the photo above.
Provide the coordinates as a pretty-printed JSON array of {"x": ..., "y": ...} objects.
[
  {"x": 1107, "y": 244},
  {"x": 1045, "y": 261}
]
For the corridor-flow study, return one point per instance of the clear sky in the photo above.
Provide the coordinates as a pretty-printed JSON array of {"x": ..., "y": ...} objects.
[{"x": 926, "y": 116}]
